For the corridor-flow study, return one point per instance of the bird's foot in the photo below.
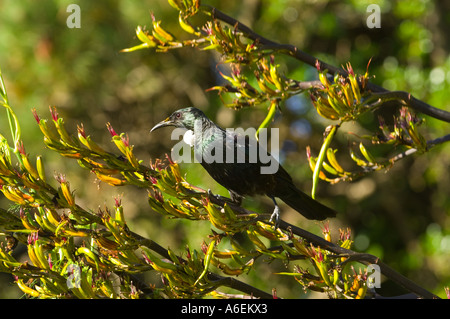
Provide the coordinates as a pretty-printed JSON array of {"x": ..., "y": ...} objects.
[
  {"x": 210, "y": 194},
  {"x": 218, "y": 197},
  {"x": 222, "y": 198},
  {"x": 275, "y": 217}
]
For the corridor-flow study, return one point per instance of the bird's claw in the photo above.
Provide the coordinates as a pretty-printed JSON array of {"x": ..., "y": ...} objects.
[
  {"x": 217, "y": 197},
  {"x": 222, "y": 198},
  {"x": 275, "y": 217}
]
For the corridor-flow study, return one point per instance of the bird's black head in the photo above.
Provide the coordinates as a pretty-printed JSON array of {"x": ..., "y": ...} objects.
[{"x": 184, "y": 118}]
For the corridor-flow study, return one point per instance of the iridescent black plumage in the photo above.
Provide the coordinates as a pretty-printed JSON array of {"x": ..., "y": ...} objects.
[{"x": 240, "y": 173}]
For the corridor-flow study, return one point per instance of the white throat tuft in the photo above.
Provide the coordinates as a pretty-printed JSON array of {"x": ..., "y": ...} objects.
[{"x": 188, "y": 137}]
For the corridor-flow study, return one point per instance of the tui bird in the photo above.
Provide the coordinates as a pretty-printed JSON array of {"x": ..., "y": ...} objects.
[{"x": 236, "y": 162}]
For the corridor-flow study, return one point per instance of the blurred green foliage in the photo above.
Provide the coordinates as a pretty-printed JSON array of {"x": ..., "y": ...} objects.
[{"x": 401, "y": 216}]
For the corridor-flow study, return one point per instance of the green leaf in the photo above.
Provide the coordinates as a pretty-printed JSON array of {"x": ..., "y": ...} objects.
[{"x": 321, "y": 158}]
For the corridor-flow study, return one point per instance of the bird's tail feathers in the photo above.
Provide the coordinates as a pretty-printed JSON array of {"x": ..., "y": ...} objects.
[{"x": 307, "y": 206}]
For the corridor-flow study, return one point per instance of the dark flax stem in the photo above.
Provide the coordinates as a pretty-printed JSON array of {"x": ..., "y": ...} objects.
[{"x": 300, "y": 55}]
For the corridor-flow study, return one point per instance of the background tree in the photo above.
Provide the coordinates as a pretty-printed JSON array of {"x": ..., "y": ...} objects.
[{"x": 400, "y": 216}]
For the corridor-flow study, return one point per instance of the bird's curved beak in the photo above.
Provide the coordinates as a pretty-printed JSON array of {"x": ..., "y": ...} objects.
[{"x": 166, "y": 122}]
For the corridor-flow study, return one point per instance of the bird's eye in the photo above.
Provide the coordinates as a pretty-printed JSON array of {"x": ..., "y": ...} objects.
[{"x": 178, "y": 115}]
